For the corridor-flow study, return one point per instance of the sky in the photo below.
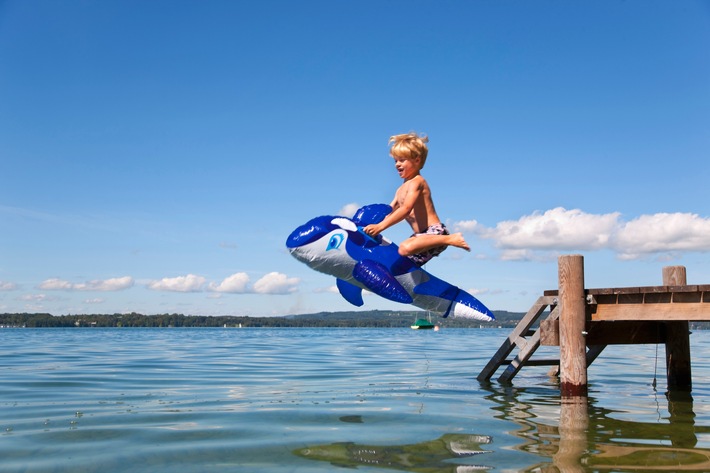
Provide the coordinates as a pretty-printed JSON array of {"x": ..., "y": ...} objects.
[{"x": 154, "y": 156}]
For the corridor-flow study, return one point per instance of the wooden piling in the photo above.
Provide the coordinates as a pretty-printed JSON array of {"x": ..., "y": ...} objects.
[
  {"x": 572, "y": 303},
  {"x": 678, "y": 371}
]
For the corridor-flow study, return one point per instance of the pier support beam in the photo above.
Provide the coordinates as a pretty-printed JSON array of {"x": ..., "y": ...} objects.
[
  {"x": 678, "y": 370},
  {"x": 573, "y": 306}
]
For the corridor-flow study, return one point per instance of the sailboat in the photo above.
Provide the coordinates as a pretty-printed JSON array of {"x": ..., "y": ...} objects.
[{"x": 421, "y": 324}]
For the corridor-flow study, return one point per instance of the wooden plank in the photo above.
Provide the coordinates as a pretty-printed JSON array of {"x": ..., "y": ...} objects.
[
  {"x": 496, "y": 360},
  {"x": 615, "y": 290},
  {"x": 630, "y": 298},
  {"x": 625, "y": 333},
  {"x": 639, "y": 289},
  {"x": 666, "y": 312},
  {"x": 593, "y": 352},
  {"x": 524, "y": 355},
  {"x": 550, "y": 333},
  {"x": 519, "y": 361},
  {"x": 687, "y": 297},
  {"x": 520, "y": 342},
  {"x": 548, "y": 362},
  {"x": 645, "y": 289},
  {"x": 658, "y": 298}
]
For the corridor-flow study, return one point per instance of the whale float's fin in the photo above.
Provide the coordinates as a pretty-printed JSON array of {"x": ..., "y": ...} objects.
[
  {"x": 350, "y": 292},
  {"x": 377, "y": 278},
  {"x": 369, "y": 214}
]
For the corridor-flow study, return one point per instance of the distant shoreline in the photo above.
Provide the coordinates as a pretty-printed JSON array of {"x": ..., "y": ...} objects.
[
  {"x": 353, "y": 319},
  {"x": 375, "y": 319}
]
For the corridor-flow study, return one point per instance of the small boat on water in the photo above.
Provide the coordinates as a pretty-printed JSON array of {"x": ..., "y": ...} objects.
[{"x": 421, "y": 324}]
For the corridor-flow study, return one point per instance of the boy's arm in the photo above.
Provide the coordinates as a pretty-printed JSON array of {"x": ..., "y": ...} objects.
[{"x": 399, "y": 211}]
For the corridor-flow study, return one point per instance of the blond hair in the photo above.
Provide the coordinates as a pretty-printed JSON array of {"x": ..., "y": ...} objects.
[{"x": 409, "y": 146}]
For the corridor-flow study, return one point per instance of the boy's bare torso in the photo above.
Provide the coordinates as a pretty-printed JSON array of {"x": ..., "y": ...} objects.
[{"x": 423, "y": 214}]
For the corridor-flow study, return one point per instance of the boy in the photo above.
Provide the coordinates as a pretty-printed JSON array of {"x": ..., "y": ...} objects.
[{"x": 413, "y": 203}]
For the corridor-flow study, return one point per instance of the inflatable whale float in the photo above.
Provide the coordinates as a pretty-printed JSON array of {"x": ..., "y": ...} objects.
[{"x": 338, "y": 246}]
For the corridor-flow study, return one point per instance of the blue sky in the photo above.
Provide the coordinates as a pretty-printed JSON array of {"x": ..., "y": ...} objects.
[{"x": 156, "y": 155}]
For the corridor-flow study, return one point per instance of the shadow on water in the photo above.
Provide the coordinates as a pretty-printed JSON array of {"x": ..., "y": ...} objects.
[{"x": 577, "y": 435}]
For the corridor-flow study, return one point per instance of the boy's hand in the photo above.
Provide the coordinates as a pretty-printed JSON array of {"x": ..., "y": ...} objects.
[{"x": 372, "y": 230}]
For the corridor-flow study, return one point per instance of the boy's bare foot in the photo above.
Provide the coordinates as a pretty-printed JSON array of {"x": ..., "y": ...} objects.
[{"x": 457, "y": 240}]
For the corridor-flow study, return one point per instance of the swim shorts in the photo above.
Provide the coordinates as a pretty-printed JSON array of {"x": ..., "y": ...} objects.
[{"x": 421, "y": 259}]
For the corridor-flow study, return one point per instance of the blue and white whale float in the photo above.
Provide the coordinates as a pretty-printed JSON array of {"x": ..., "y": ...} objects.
[{"x": 338, "y": 246}]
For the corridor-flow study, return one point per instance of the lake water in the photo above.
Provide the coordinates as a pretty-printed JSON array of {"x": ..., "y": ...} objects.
[{"x": 317, "y": 400}]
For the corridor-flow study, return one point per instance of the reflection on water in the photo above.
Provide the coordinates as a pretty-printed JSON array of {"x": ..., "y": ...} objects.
[
  {"x": 425, "y": 457},
  {"x": 587, "y": 437}
]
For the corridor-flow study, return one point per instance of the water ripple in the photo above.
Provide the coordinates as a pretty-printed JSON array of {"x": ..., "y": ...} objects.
[{"x": 182, "y": 400}]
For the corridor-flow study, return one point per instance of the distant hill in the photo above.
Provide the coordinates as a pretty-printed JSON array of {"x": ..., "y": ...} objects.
[{"x": 374, "y": 318}]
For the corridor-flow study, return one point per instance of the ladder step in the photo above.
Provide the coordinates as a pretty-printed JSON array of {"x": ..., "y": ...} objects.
[
  {"x": 523, "y": 338},
  {"x": 534, "y": 362}
]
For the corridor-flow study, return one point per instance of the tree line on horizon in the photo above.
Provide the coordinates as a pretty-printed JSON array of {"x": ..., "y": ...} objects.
[
  {"x": 375, "y": 319},
  {"x": 364, "y": 319}
]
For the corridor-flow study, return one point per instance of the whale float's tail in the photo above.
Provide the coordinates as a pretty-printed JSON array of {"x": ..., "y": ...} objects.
[{"x": 467, "y": 306}]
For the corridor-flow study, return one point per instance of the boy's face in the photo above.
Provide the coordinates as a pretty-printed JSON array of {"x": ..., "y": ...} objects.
[{"x": 407, "y": 167}]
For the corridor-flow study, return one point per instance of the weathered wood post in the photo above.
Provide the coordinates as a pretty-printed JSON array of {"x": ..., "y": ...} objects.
[
  {"x": 677, "y": 338},
  {"x": 573, "y": 306}
]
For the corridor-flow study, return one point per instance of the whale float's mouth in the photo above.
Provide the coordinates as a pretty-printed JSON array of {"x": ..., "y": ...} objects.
[{"x": 299, "y": 253}]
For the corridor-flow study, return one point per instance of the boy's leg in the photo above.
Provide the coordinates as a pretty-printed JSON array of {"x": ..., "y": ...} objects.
[{"x": 420, "y": 243}]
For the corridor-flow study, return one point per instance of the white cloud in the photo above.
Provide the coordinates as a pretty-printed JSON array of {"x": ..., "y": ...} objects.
[
  {"x": 37, "y": 298},
  {"x": 478, "y": 292},
  {"x": 113, "y": 284},
  {"x": 485, "y": 291},
  {"x": 328, "y": 289},
  {"x": 236, "y": 283},
  {"x": 557, "y": 229},
  {"x": 334, "y": 290},
  {"x": 469, "y": 226},
  {"x": 348, "y": 210},
  {"x": 541, "y": 236},
  {"x": 276, "y": 283},
  {"x": 55, "y": 285},
  {"x": 662, "y": 233},
  {"x": 96, "y": 300},
  {"x": 7, "y": 286},
  {"x": 516, "y": 255},
  {"x": 189, "y": 283}
]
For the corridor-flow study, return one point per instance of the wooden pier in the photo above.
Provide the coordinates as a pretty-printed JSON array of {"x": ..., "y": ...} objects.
[{"x": 583, "y": 322}]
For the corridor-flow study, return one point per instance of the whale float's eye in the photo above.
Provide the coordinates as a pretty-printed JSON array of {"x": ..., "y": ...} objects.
[{"x": 335, "y": 241}]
